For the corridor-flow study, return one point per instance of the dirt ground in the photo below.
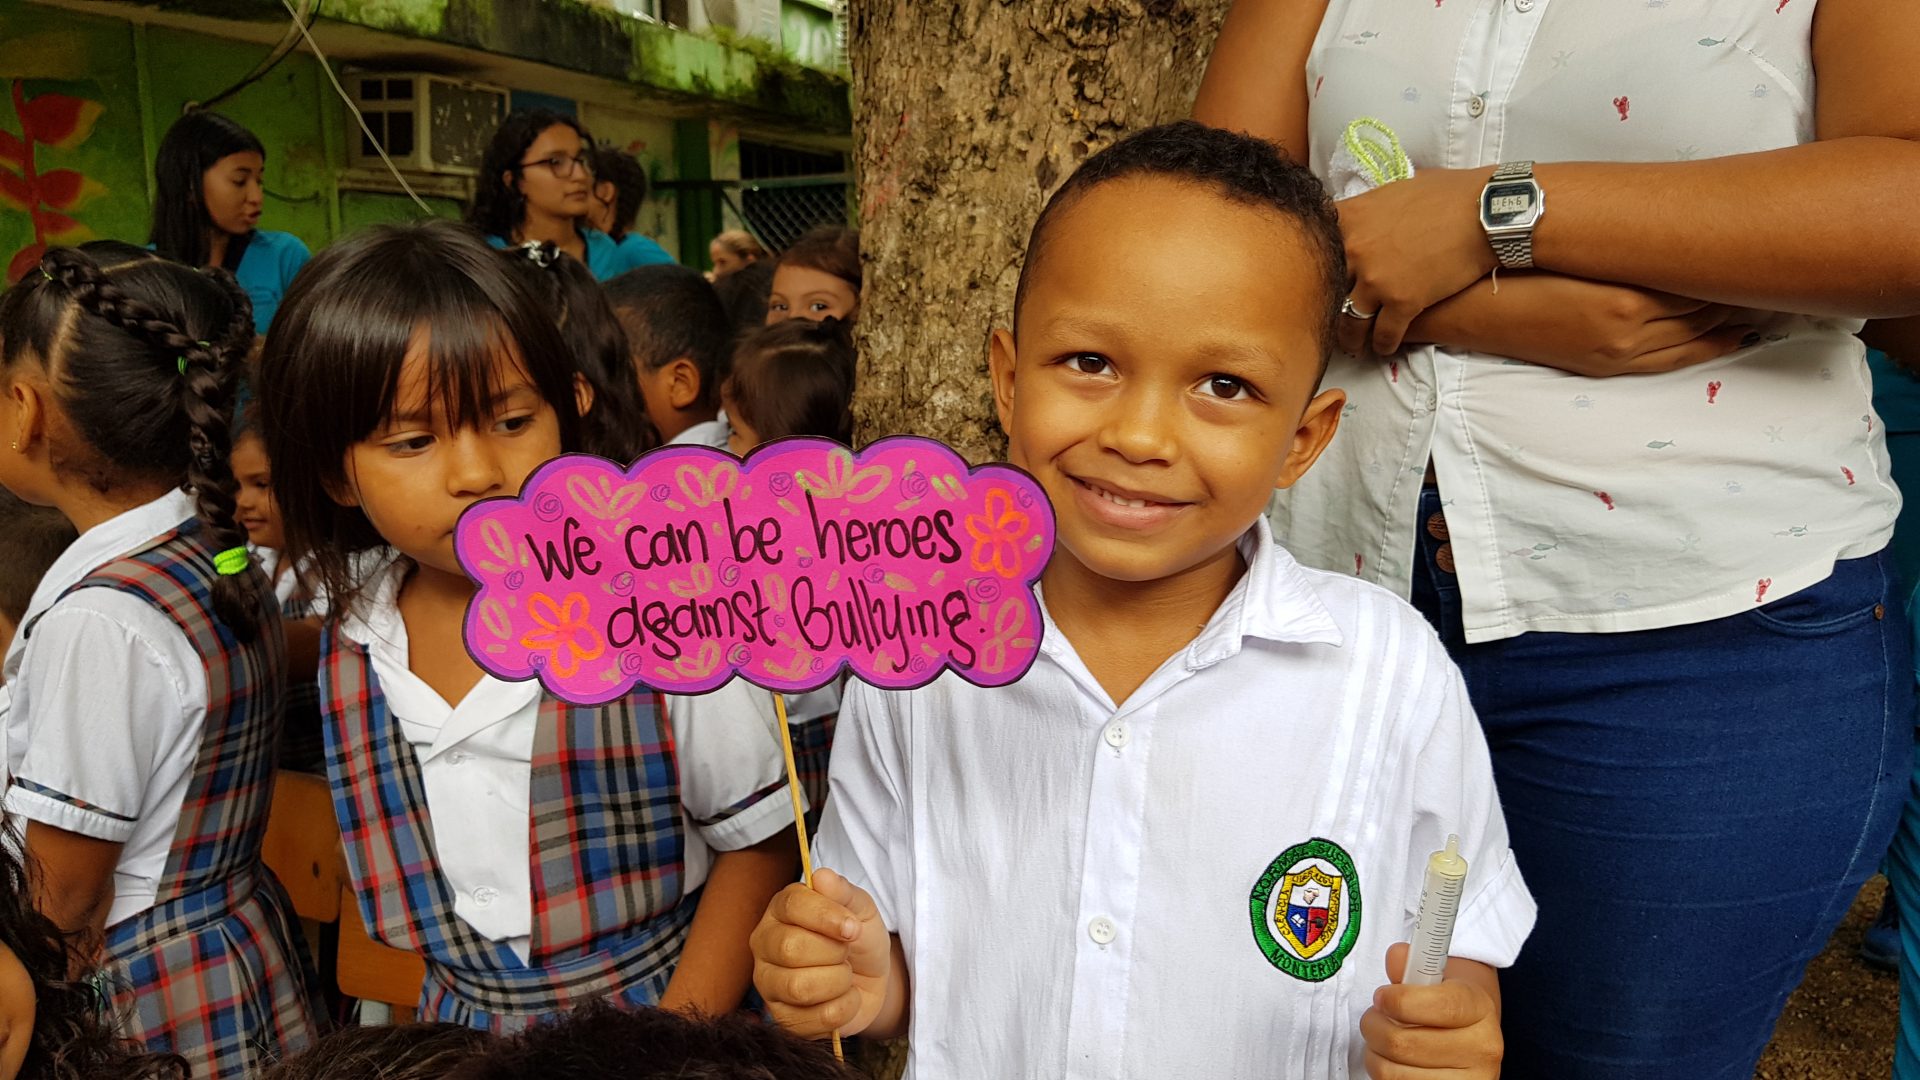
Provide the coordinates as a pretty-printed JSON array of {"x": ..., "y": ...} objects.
[{"x": 1838, "y": 1026}]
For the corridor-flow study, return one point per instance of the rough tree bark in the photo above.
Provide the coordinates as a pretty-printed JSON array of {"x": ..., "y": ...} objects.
[{"x": 967, "y": 114}]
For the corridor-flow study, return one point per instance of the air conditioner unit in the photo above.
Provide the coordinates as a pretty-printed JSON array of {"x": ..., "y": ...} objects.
[
  {"x": 428, "y": 123},
  {"x": 758, "y": 18}
]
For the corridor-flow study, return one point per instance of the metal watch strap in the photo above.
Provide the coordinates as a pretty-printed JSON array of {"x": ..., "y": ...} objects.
[
  {"x": 1514, "y": 252},
  {"x": 1514, "y": 170}
]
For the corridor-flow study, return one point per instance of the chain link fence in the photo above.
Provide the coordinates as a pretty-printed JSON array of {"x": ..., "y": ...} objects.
[{"x": 777, "y": 211}]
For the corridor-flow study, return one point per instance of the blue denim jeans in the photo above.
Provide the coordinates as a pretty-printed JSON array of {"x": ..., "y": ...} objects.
[
  {"x": 1694, "y": 808},
  {"x": 1903, "y": 878}
]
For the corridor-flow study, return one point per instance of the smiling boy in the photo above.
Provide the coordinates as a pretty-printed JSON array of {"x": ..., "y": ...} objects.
[{"x": 1184, "y": 843}]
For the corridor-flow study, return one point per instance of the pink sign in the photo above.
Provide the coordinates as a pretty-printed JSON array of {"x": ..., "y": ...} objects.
[{"x": 691, "y": 567}]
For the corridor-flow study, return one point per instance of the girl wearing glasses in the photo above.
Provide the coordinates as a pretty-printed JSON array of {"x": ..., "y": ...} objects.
[{"x": 536, "y": 184}]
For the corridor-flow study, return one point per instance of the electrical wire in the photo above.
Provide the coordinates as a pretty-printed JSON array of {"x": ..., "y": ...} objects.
[
  {"x": 354, "y": 109},
  {"x": 268, "y": 63}
]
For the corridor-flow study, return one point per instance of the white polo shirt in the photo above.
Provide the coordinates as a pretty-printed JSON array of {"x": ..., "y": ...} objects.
[
  {"x": 106, "y": 705},
  {"x": 1201, "y": 882},
  {"x": 476, "y": 764}
]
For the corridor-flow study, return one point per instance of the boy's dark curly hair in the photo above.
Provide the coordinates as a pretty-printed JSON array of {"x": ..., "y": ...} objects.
[
  {"x": 1228, "y": 165},
  {"x": 654, "y": 1044}
]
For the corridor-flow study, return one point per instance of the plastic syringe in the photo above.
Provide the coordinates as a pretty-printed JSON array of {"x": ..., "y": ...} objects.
[{"x": 1439, "y": 906}]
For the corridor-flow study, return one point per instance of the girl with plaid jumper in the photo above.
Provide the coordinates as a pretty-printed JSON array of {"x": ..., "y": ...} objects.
[
  {"x": 537, "y": 855},
  {"x": 145, "y": 682}
]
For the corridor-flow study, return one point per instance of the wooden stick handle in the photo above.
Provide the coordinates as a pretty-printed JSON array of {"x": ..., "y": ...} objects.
[{"x": 799, "y": 814}]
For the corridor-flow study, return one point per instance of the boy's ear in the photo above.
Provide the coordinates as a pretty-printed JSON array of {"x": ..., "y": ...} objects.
[
  {"x": 683, "y": 382},
  {"x": 582, "y": 395},
  {"x": 1317, "y": 425},
  {"x": 1000, "y": 361}
]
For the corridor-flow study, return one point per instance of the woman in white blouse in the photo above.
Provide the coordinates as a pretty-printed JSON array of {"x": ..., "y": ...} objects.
[{"x": 1665, "y": 589}]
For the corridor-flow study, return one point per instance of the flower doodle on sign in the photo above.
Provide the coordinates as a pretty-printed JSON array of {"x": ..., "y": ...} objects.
[
  {"x": 788, "y": 569},
  {"x": 843, "y": 481},
  {"x": 564, "y": 634},
  {"x": 997, "y": 535}
]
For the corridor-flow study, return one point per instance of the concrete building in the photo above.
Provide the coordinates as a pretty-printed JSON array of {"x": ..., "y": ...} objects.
[{"x": 738, "y": 108}]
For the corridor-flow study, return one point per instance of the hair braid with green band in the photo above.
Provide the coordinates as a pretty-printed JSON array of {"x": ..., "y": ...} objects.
[
  {"x": 183, "y": 360},
  {"x": 234, "y": 560}
]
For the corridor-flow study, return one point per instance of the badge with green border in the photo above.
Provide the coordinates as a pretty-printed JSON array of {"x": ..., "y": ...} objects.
[{"x": 1306, "y": 910}]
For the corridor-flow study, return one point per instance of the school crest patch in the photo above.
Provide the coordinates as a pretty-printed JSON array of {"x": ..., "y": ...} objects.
[{"x": 1306, "y": 910}]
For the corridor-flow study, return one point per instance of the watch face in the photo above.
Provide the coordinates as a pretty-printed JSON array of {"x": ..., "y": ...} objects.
[{"x": 1508, "y": 204}]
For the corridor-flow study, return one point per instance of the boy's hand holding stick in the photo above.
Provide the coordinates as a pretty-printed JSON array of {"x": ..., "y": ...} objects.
[{"x": 825, "y": 962}]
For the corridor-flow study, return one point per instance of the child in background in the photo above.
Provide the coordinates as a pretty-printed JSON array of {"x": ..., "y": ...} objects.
[
  {"x": 788, "y": 379},
  {"x": 744, "y": 294},
  {"x": 818, "y": 277},
  {"x": 598, "y": 1043},
  {"x": 792, "y": 379},
  {"x": 619, "y": 190},
  {"x": 537, "y": 855},
  {"x": 733, "y": 251},
  {"x": 614, "y": 422},
  {"x": 32, "y": 538},
  {"x": 677, "y": 334},
  {"x": 146, "y": 678},
  {"x": 301, "y": 748},
  {"x": 1052, "y": 878}
]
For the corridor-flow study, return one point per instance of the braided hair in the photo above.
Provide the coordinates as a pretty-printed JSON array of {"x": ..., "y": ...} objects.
[{"x": 141, "y": 356}]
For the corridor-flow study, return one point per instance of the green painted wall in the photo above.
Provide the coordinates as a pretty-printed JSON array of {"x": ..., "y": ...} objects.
[
  {"x": 43, "y": 55},
  {"x": 139, "y": 78},
  {"x": 115, "y": 86}
]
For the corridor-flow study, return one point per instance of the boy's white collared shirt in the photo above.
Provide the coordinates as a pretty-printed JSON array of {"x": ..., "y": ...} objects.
[{"x": 1090, "y": 891}]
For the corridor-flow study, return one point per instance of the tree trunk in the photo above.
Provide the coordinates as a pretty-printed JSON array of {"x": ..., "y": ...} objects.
[{"x": 967, "y": 114}]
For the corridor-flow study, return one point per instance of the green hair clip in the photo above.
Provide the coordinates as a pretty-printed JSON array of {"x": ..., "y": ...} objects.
[
  {"x": 183, "y": 360},
  {"x": 232, "y": 561}
]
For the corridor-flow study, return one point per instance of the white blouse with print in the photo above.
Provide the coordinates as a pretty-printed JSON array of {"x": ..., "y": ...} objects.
[{"x": 1587, "y": 504}]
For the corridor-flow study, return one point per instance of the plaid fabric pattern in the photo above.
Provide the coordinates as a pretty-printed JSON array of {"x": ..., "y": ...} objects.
[
  {"x": 609, "y": 909},
  {"x": 214, "y": 971},
  {"x": 302, "y": 748},
  {"x": 812, "y": 747}
]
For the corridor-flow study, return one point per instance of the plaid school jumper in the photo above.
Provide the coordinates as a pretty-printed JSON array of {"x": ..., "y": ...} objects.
[
  {"x": 606, "y": 838},
  {"x": 214, "y": 971},
  {"x": 302, "y": 747}
]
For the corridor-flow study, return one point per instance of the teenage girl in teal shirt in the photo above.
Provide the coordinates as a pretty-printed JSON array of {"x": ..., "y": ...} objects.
[
  {"x": 206, "y": 206},
  {"x": 536, "y": 186}
]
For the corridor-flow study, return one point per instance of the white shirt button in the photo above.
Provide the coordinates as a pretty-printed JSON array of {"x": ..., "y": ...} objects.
[
  {"x": 458, "y": 757},
  {"x": 1476, "y": 106},
  {"x": 1118, "y": 735},
  {"x": 1523, "y": 6},
  {"x": 1102, "y": 930},
  {"x": 485, "y": 895}
]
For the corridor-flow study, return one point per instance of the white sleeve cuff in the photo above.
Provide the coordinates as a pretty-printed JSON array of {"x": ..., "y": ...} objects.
[
  {"x": 27, "y": 800},
  {"x": 755, "y": 822},
  {"x": 1496, "y": 921}
]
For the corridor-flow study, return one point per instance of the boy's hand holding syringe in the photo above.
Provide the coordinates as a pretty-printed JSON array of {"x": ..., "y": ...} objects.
[{"x": 1443, "y": 1017}]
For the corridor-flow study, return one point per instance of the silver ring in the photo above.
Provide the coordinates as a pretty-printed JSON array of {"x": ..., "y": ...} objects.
[{"x": 1351, "y": 312}]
